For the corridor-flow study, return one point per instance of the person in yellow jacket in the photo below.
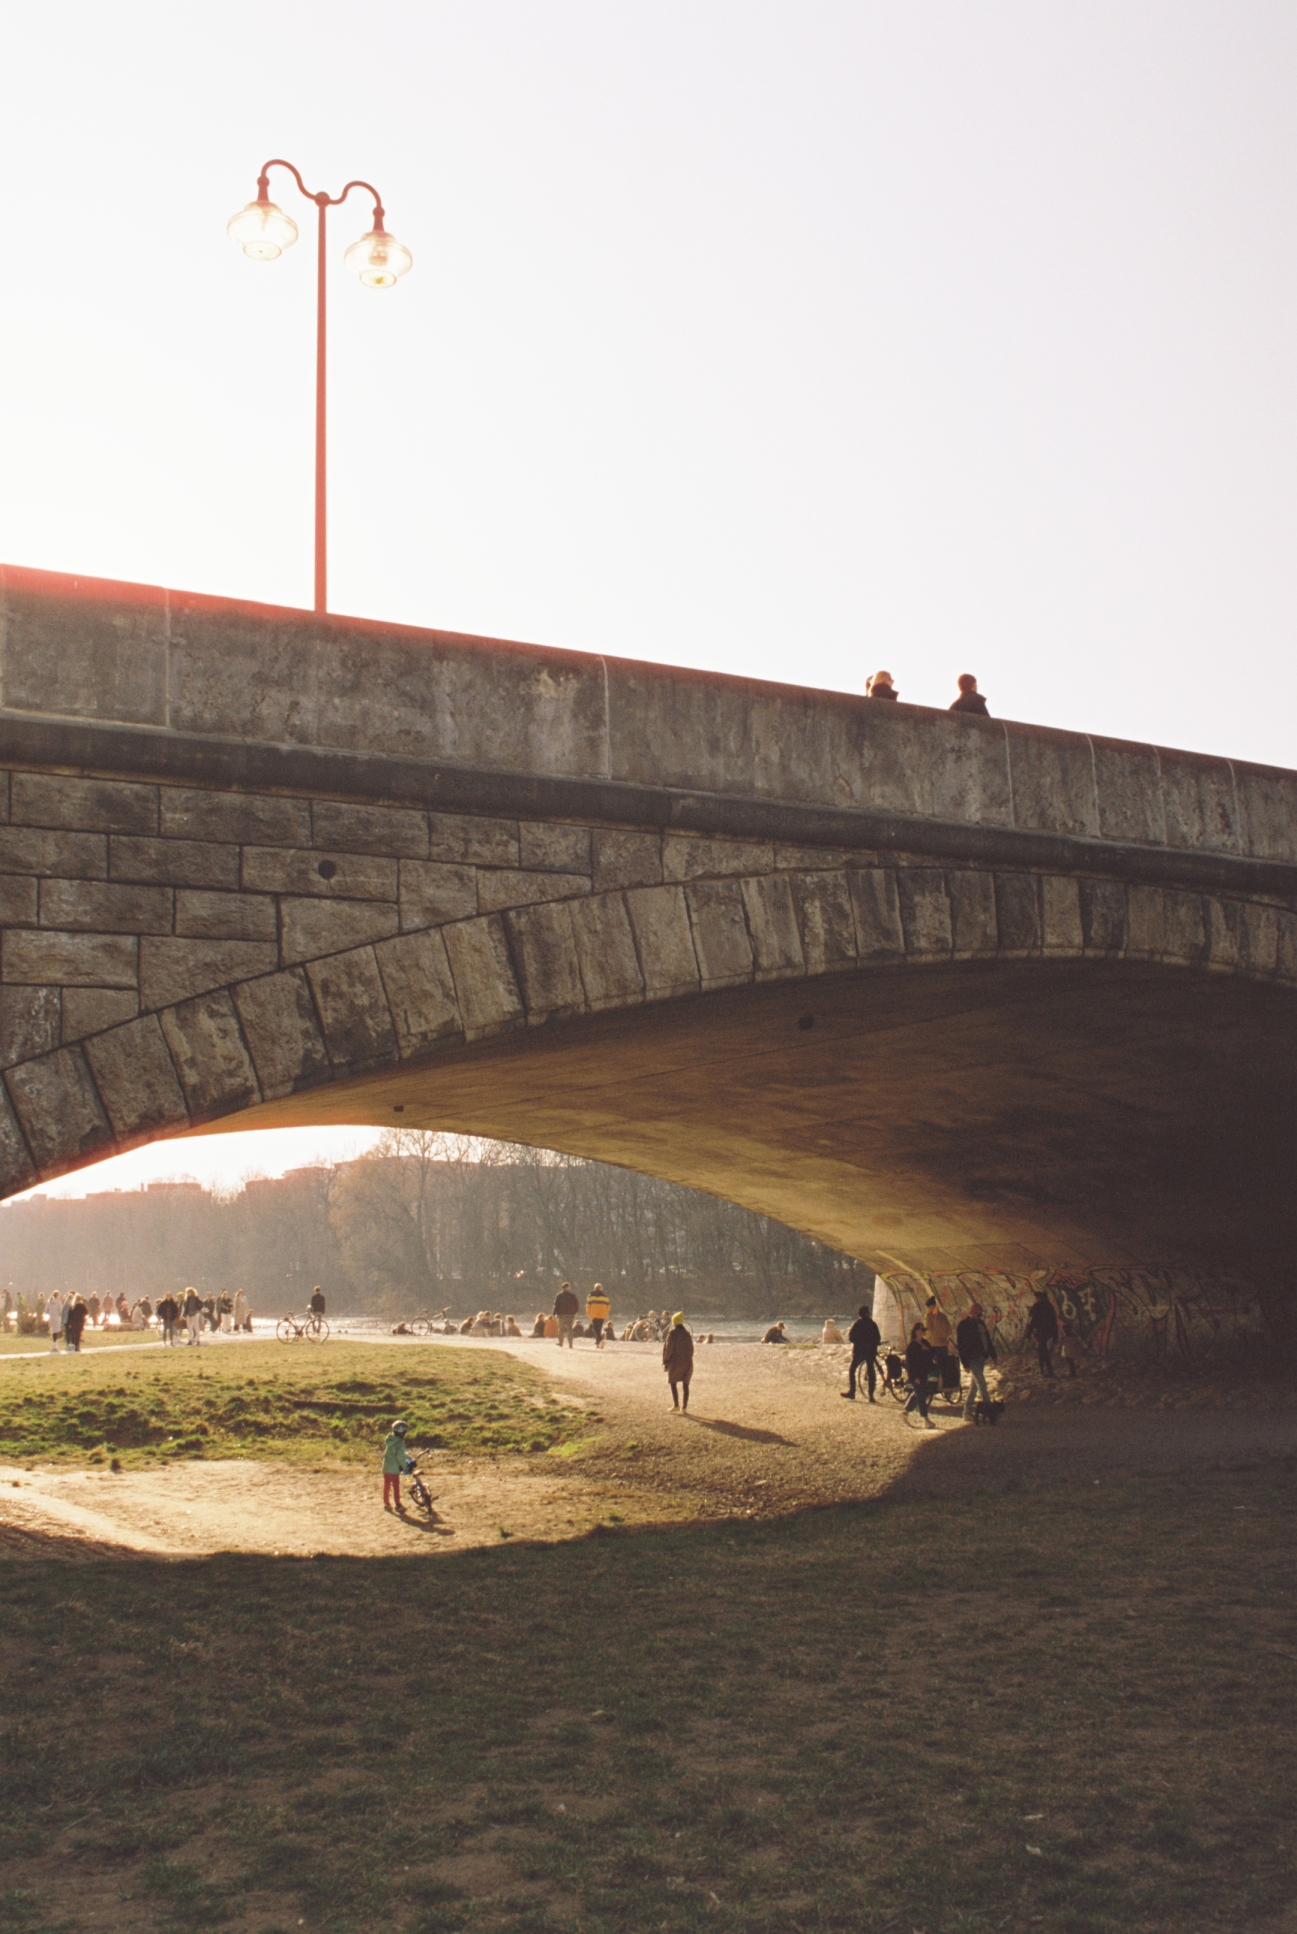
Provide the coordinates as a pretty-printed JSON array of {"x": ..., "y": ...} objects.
[{"x": 598, "y": 1309}]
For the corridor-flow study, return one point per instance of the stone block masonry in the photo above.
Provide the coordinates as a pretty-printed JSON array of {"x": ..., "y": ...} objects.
[
  {"x": 170, "y": 956},
  {"x": 943, "y": 992}
]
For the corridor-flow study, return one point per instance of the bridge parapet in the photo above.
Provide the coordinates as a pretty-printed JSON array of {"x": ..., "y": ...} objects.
[
  {"x": 398, "y": 713},
  {"x": 258, "y": 865}
]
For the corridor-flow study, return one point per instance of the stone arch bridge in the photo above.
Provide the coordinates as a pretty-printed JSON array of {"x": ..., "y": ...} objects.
[{"x": 946, "y": 992}]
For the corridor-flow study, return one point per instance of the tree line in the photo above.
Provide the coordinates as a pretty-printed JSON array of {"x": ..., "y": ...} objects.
[{"x": 424, "y": 1221}]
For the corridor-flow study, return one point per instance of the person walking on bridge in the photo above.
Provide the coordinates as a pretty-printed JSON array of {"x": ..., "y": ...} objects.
[
  {"x": 565, "y": 1312},
  {"x": 678, "y": 1360},
  {"x": 864, "y": 1337}
]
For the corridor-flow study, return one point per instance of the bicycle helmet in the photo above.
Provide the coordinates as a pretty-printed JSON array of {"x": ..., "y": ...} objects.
[{"x": 399, "y": 1428}]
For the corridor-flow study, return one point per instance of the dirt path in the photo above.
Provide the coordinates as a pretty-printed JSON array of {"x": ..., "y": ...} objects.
[{"x": 767, "y": 1433}]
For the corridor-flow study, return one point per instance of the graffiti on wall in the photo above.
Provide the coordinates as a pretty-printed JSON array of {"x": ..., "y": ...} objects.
[{"x": 1149, "y": 1310}]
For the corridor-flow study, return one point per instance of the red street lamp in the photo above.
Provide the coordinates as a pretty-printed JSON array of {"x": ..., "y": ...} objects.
[{"x": 263, "y": 232}]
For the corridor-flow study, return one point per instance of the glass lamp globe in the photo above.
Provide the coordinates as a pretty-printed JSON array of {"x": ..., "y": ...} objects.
[
  {"x": 262, "y": 231},
  {"x": 378, "y": 258}
]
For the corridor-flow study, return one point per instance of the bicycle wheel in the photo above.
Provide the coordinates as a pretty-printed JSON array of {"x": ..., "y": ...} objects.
[
  {"x": 317, "y": 1330},
  {"x": 421, "y": 1326},
  {"x": 898, "y": 1390},
  {"x": 286, "y": 1330}
]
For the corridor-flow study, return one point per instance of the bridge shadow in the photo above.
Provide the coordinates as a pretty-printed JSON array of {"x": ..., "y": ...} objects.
[{"x": 747, "y": 1432}]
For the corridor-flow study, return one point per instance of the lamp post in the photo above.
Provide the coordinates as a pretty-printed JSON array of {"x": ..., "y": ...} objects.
[{"x": 263, "y": 232}]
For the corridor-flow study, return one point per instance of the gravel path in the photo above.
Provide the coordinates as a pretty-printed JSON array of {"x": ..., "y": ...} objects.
[{"x": 766, "y": 1433}]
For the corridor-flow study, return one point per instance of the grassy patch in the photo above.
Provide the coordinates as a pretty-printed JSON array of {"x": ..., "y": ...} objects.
[
  {"x": 271, "y": 1401},
  {"x": 1070, "y": 1708}
]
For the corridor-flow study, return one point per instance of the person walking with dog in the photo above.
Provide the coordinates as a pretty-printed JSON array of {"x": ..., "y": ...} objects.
[
  {"x": 864, "y": 1336},
  {"x": 976, "y": 1350},
  {"x": 1042, "y": 1328}
]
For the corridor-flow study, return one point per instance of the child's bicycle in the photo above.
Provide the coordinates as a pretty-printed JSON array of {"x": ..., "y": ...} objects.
[{"x": 418, "y": 1489}]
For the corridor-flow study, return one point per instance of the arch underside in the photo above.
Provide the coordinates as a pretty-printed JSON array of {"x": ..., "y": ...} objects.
[{"x": 967, "y": 1115}]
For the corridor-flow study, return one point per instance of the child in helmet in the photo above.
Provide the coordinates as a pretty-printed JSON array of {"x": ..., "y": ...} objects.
[{"x": 396, "y": 1459}]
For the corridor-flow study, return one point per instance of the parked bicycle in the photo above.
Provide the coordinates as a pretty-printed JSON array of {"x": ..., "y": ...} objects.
[
  {"x": 291, "y": 1329},
  {"x": 428, "y": 1321}
]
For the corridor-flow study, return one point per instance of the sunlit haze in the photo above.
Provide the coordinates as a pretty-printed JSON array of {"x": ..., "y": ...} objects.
[
  {"x": 791, "y": 340},
  {"x": 217, "y": 1161}
]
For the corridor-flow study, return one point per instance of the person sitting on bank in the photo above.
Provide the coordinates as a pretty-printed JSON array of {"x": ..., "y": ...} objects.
[
  {"x": 775, "y": 1334},
  {"x": 831, "y": 1334},
  {"x": 970, "y": 699},
  {"x": 880, "y": 686}
]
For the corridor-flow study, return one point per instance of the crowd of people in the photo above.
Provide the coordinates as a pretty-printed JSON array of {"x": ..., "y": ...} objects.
[{"x": 65, "y": 1319}]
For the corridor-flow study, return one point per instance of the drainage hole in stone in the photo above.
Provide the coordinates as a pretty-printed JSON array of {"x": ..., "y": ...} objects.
[
  {"x": 326, "y": 869},
  {"x": 807, "y": 1022}
]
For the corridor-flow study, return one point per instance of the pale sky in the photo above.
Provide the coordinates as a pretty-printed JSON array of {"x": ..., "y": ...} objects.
[{"x": 788, "y": 339}]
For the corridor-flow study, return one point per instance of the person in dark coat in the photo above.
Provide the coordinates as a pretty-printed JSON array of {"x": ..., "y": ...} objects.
[
  {"x": 864, "y": 1336},
  {"x": 976, "y": 1350},
  {"x": 921, "y": 1369},
  {"x": 1042, "y": 1328},
  {"x": 73, "y": 1324},
  {"x": 678, "y": 1360},
  {"x": 565, "y": 1309},
  {"x": 970, "y": 699}
]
